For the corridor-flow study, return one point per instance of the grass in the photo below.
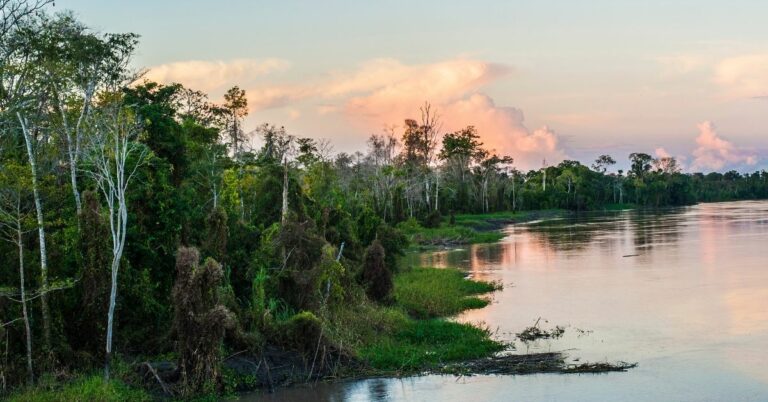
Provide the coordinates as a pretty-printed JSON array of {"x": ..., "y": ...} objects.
[
  {"x": 445, "y": 234},
  {"x": 491, "y": 220},
  {"x": 90, "y": 388},
  {"x": 409, "y": 336},
  {"x": 434, "y": 292},
  {"x": 423, "y": 344},
  {"x": 619, "y": 207}
]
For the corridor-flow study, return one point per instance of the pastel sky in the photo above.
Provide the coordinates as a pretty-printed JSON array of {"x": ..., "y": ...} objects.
[{"x": 545, "y": 79}]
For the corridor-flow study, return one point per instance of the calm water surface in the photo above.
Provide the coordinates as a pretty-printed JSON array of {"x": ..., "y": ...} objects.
[{"x": 683, "y": 292}]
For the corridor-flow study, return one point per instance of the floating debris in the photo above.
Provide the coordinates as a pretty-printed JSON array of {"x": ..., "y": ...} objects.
[
  {"x": 513, "y": 364},
  {"x": 533, "y": 333}
]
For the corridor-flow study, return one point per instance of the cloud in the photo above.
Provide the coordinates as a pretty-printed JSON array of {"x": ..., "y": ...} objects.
[
  {"x": 453, "y": 87},
  {"x": 378, "y": 92},
  {"x": 503, "y": 129},
  {"x": 383, "y": 81},
  {"x": 743, "y": 76},
  {"x": 662, "y": 153},
  {"x": 714, "y": 153},
  {"x": 215, "y": 76}
]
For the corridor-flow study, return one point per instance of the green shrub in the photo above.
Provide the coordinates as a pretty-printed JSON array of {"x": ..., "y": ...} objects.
[
  {"x": 432, "y": 220},
  {"x": 376, "y": 276},
  {"x": 301, "y": 332}
]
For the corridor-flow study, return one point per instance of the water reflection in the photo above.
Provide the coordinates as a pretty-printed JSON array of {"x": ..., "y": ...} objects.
[{"x": 681, "y": 291}]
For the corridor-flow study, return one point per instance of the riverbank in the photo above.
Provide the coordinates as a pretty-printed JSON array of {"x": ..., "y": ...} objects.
[
  {"x": 408, "y": 336},
  {"x": 470, "y": 228},
  {"x": 412, "y": 334}
]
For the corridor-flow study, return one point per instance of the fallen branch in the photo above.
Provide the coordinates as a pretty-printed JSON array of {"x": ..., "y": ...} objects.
[{"x": 157, "y": 377}]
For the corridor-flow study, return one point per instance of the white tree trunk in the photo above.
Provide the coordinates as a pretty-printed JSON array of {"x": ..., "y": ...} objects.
[
  {"x": 437, "y": 192},
  {"x": 284, "y": 209},
  {"x": 514, "y": 197},
  {"x": 112, "y": 150},
  {"x": 41, "y": 235}
]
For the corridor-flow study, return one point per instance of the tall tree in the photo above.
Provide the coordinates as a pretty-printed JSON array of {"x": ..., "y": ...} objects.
[
  {"x": 115, "y": 157},
  {"x": 236, "y": 108}
]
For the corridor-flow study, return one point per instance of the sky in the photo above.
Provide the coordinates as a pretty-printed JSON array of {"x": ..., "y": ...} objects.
[{"x": 543, "y": 80}]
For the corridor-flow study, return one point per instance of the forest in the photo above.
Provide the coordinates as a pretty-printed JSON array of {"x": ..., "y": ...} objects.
[{"x": 142, "y": 220}]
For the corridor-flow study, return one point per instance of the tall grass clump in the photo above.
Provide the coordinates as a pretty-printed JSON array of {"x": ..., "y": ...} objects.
[{"x": 438, "y": 292}]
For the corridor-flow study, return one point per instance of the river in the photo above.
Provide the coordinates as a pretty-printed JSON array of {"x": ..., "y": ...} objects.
[{"x": 683, "y": 292}]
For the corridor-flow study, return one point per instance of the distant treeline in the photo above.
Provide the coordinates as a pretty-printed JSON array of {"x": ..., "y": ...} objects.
[{"x": 138, "y": 219}]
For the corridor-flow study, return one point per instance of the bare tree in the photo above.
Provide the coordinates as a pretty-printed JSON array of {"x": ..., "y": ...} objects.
[{"x": 115, "y": 158}]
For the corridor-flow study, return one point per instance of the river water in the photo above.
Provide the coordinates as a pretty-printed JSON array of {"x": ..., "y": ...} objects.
[{"x": 682, "y": 292}]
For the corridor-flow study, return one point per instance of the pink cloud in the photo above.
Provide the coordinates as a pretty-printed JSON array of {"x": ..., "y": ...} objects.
[
  {"x": 661, "y": 153},
  {"x": 715, "y": 153},
  {"x": 453, "y": 88}
]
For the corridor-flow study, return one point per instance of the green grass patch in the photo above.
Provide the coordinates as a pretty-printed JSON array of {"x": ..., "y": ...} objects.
[
  {"x": 421, "y": 344},
  {"x": 91, "y": 388},
  {"x": 436, "y": 292},
  {"x": 445, "y": 234},
  {"x": 408, "y": 336},
  {"x": 490, "y": 220}
]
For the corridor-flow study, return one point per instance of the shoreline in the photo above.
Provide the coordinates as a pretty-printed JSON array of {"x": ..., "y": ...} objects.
[{"x": 276, "y": 368}]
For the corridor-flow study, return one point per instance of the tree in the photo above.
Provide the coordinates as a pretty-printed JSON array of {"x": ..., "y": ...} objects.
[
  {"x": 640, "y": 164},
  {"x": 236, "y": 108},
  {"x": 14, "y": 12},
  {"x": 602, "y": 163},
  {"x": 666, "y": 164},
  {"x": 25, "y": 103},
  {"x": 28, "y": 140},
  {"x": 420, "y": 138},
  {"x": 488, "y": 169},
  {"x": 114, "y": 158},
  {"x": 14, "y": 183},
  {"x": 419, "y": 141},
  {"x": 462, "y": 149},
  {"x": 78, "y": 64}
]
